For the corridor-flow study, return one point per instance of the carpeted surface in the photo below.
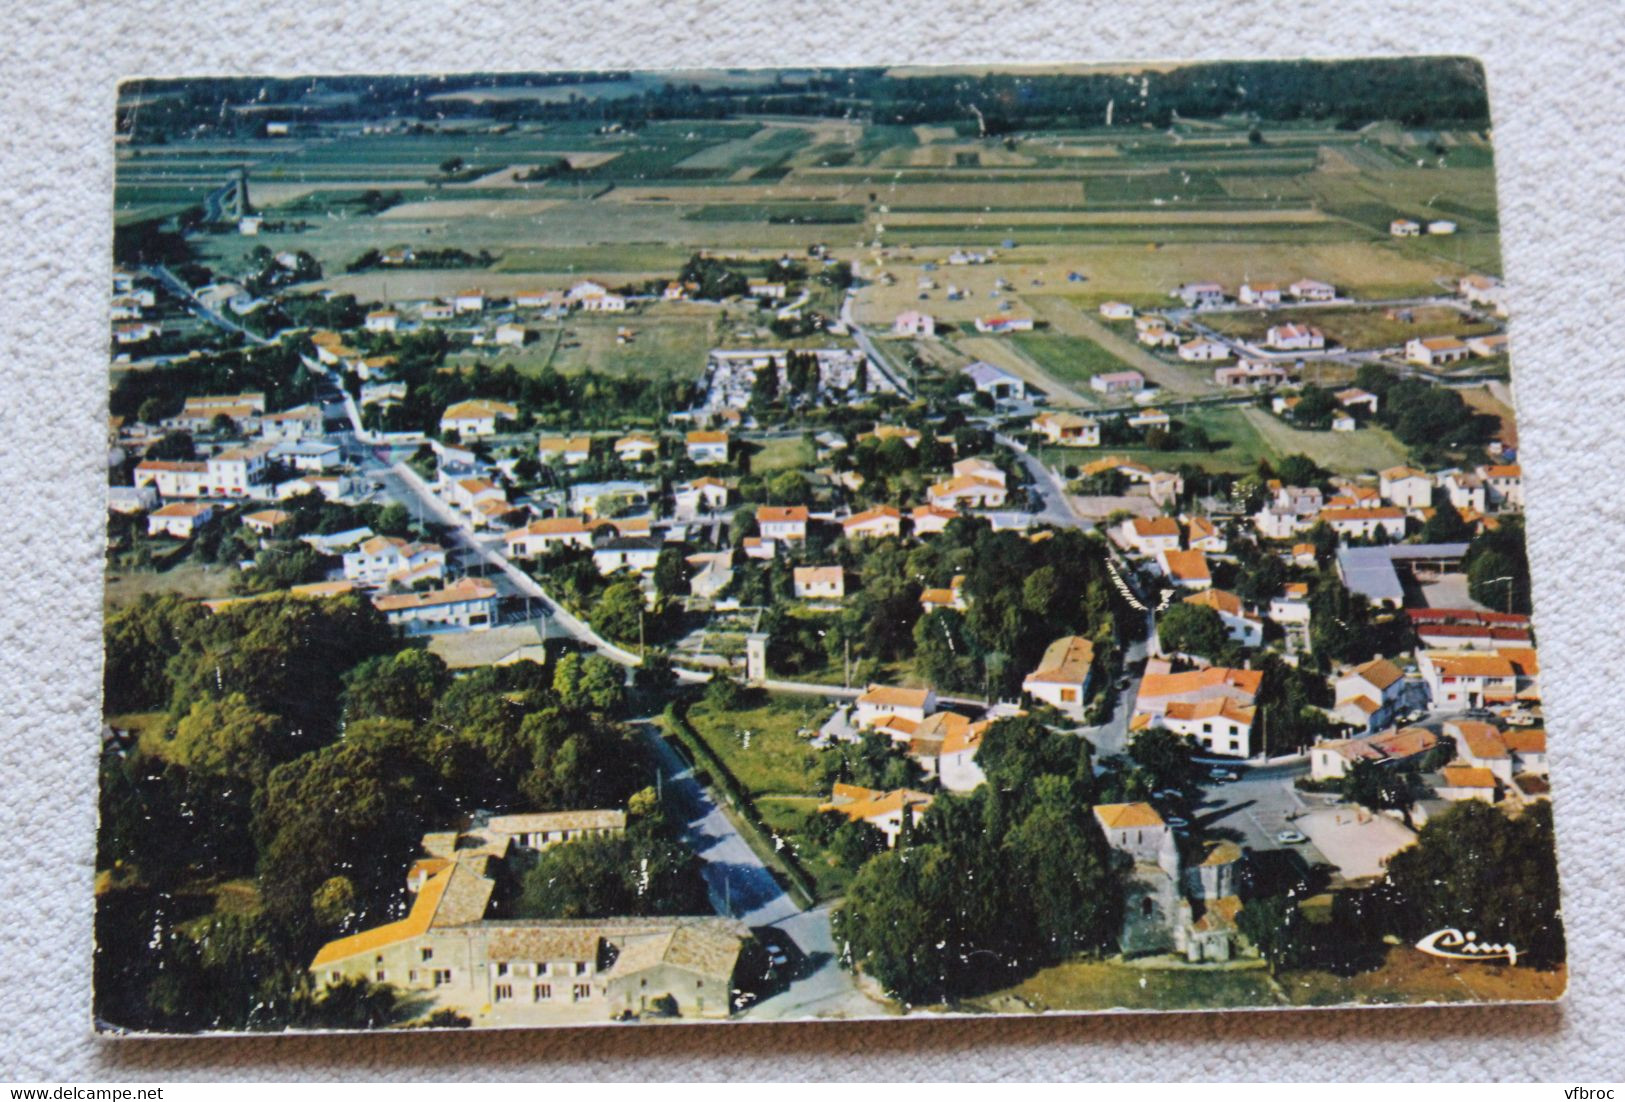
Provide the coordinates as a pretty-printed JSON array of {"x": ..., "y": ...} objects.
[{"x": 1556, "y": 93}]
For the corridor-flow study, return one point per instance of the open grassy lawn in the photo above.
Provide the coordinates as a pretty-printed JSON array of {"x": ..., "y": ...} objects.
[
  {"x": 1241, "y": 446},
  {"x": 763, "y": 746},
  {"x": 1108, "y": 985},
  {"x": 786, "y": 453},
  {"x": 1356, "y": 327},
  {"x": 1406, "y": 976},
  {"x": 663, "y": 342},
  {"x": 1071, "y": 359},
  {"x": 189, "y": 579},
  {"x": 1366, "y": 449}
]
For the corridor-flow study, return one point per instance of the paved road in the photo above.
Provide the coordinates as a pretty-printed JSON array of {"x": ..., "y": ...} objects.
[
  {"x": 876, "y": 360},
  {"x": 1057, "y": 508},
  {"x": 741, "y": 886},
  {"x": 1258, "y": 807},
  {"x": 405, "y": 485}
]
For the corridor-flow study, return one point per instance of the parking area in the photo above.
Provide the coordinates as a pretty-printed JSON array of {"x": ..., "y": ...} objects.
[{"x": 1255, "y": 810}]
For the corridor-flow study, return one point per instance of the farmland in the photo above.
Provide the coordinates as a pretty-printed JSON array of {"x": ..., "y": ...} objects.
[{"x": 1357, "y": 328}]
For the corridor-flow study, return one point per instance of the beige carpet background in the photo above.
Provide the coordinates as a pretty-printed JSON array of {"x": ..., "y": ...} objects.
[{"x": 1556, "y": 93}]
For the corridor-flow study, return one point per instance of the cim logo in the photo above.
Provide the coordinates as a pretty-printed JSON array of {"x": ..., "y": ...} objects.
[{"x": 1452, "y": 944}]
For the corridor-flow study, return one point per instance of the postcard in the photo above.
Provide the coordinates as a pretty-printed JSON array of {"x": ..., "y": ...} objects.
[{"x": 725, "y": 546}]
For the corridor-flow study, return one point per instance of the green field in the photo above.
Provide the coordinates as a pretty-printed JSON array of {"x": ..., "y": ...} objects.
[
  {"x": 763, "y": 747},
  {"x": 788, "y": 453},
  {"x": 1354, "y": 327},
  {"x": 1072, "y": 360},
  {"x": 1248, "y": 434}
]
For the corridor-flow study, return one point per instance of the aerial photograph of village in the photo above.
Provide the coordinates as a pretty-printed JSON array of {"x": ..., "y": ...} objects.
[{"x": 730, "y": 545}]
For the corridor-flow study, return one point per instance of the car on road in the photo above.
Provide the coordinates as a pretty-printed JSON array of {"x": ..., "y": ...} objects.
[
  {"x": 1220, "y": 775},
  {"x": 1291, "y": 837},
  {"x": 1177, "y": 822}
]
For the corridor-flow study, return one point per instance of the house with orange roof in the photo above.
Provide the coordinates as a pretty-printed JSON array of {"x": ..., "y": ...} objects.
[
  {"x": 1061, "y": 678},
  {"x": 967, "y": 491},
  {"x": 1260, "y": 294},
  {"x": 928, "y": 520},
  {"x": 814, "y": 583},
  {"x": 1219, "y": 725},
  {"x": 468, "y": 301},
  {"x": 449, "y": 953},
  {"x": 636, "y": 447},
  {"x": 1406, "y": 487},
  {"x": 882, "y": 700},
  {"x": 173, "y": 478},
  {"x": 1483, "y": 746},
  {"x": 476, "y": 417},
  {"x": 956, "y": 767},
  {"x": 1186, "y": 569},
  {"x": 1149, "y": 535},
  {"x": 1368, "y": 695},
  {"x": 266, "y": 521},
  {"x": 1292, "y": 337},
  {"x": 1204, "y": 350},
  {"x": 385, "y": 559},
  {"x": 877, "y": 523},
  {"x": 1467, "y": 782},
  {"x": 569, "y": 450},
  {"x": 782, "y": 522},
  {"x": 1202, "y": 534},
  {"x": 466, "y": 494},
  {"x": 1241, "y": 625},
  {"x": 707, "y": 447},
  {"x": 935, "y": 599},
  {"x": 1467, "y": 679},
  {"x": 1068, "y": 430},
  {"x": 469, "y": 604},
  {"x": 1434, "y": 351},
  {"x": 703, "y": 494},
  {"x": 1159, "y": 690},
  {"x": 883, "y": 810},
  {"x": 181, "y": 519},
  {"x": 541, "y": 536},
  {"x": 1331, "y": 759},
  {"x": 1135, "y": 828}
]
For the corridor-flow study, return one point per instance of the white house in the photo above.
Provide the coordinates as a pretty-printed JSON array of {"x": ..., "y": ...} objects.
[
  {"x": 541, "y": 536},
  {"x": 1201, "y": 294},
  {"x": 878, "y": 701},
  {"x": 782, "y": 522},
  {"x": 1068, "y": 430},
  {"x": 967, "y": 491},
  {"x": 1367, "y": 696},
  {"x": 1433, "y": 351},
  {"x": 1062, "y": 676},
  {"x": 1469, "y": 679},
  {"x": 468, "y": 302},
  {"x": 180, "y": 519},
  {"x": 1221, "y": 726},
  {"x": 1260, "y": 294},
  {"x": 469, "y": 604},
  {"x": 1312, "y": 290},
  {"x": 1466, "y": 490},
  {"x": 1203, "y": 349},
  {"x": 1134, "y": 828},
  {"x": 1404, "y": 227},
  {"x": 1292, "y": 337},
  {"x": 819, "y": 582},
  {"x": 912, "y": 323},
  {"x": 477, "y": 417},
  {"x": 570, "y": 450},
  {"x": 1117, "y": 382},
  {"x": 993, "y": 380},
  {"x": 384, "y": 559},
  {"x": 1150, "y": 535},
  {"x": 292, "y": 424},
  {"x": 1116, "y": 311},
  {"x": 1406, "y": 487},
  {"x": 1504, "y": 485},
  {"x": 701, "y": 495},
  {"x": 639, "y": 553},
  {"x": 881, "y": 521},
  {"x": 707, "y": 447},
  {"x": 382, "y": 321},
  {"x": 1365, "y": 521},
  {"x": 636, "y": 447}
]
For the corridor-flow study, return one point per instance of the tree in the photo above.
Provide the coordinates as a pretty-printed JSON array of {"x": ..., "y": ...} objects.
[
  {"x": 1193, "y": 629},
  {"x": 1445, "y": 525},
  {"x": 619, "y": 611},
  {"x": 1300, "y": 470},
  {"x": 174, "y": 445},
  {"x": 671, "y": 572},
  {"x": 333, "y": 903},
  {"x": 1169, "y": 760},
  {"x": 1379, "y": 787},
  {"x": 227, "y": 738},
  {"x": 1277, "y": 930},
  {"x": 405, "y": 685},
  {"x": 1477, "y": 870}
]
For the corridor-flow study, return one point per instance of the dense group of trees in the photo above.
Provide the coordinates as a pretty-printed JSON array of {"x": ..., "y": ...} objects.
[
  {"x": 155, "y": 393},
  {"x": 993, "y": 884},
  {"x": 1419, "y": 91},
  {"x": 297, "y": 746}
]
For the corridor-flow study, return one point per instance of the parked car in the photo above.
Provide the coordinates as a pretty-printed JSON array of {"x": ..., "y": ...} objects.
[
  {"x": 1291, "y": 837},
  {"x": 1176, "y": 822},
  {"x": 1220, "y": 775}
]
